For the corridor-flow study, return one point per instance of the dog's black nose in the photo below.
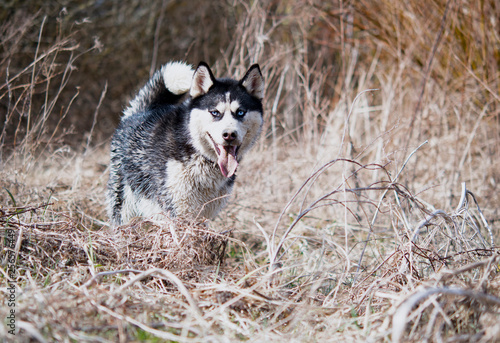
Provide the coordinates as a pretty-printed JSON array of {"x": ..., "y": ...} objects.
[{"x": 229, "y": 136}]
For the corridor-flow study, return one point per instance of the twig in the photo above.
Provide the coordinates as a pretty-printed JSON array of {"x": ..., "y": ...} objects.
[
  {"x": 7, "y": 212},
  {"x": 427, "y": 220},
  {"x": 462, "y": 205},
  {"x": 269, "y": 249},
  {"x": 377, "y": 211},
  {"x": 157, "y": 37},
  {"x": 45, "y": 225},
  {"x": 168, "y": 275},
  {"x": 346, "y": 124},
  {"x": 89, "y": 138},
  {"x": 400, "y": 317},
  {"x": 427, "y": 71},
  {"x": 112, "y": 272},
  {"x": 445, "y": 275},
  {"x": 485, "y": 222},
  {"x": 32, "y": 85}
]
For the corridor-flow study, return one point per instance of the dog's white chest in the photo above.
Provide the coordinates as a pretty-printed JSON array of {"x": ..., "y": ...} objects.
[{"x": 197, "y": 188}]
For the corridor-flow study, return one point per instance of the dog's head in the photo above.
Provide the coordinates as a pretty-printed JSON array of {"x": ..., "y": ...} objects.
[{"x": 226, "y": 115}]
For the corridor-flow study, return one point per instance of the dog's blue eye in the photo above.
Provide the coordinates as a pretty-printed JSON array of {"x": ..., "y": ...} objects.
[
  {"x": 215, "y": 113},
  {"x": 240, "y": 113}
]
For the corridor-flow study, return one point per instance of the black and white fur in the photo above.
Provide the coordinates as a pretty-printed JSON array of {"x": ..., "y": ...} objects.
[{"x": 179, "y": 143}]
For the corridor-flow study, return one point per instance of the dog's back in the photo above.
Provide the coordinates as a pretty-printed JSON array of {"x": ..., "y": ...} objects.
[{"x": 179, "y": 142}]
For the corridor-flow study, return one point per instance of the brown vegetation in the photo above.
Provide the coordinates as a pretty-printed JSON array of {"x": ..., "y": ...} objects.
[{"x": 369, "y": 209}]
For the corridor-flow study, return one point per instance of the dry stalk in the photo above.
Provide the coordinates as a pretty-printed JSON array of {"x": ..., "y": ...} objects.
[{"x": 400, "y": 318}]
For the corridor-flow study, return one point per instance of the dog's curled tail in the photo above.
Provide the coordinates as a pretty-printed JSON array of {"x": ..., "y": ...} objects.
[{"x": 167, "y": 86}]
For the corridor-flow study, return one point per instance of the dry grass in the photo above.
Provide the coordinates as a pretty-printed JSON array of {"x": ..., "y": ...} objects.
[{"x": 368, "y": 211}]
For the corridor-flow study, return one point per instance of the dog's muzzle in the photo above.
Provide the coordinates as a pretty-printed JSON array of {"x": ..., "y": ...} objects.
[{"x": 227, "y": 155}]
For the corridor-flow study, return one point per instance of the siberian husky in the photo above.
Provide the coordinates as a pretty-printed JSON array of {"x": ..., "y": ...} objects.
[{"x": 179, "y": 143}]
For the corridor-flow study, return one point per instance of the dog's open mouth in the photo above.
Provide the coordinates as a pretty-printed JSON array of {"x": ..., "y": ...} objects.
[{"x": 226, "y": 157}]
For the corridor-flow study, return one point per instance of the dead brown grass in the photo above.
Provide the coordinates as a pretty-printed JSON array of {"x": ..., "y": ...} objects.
[{"x": 368, "y": 211}]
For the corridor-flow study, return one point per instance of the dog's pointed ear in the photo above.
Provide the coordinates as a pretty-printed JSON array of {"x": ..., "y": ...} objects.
[
  {"x": 203, "y": 79},
  {"x": 254, "y": 82}
]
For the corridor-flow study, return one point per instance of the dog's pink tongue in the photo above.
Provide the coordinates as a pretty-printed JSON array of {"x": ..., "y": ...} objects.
[{"x": 227, "y": 160}]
